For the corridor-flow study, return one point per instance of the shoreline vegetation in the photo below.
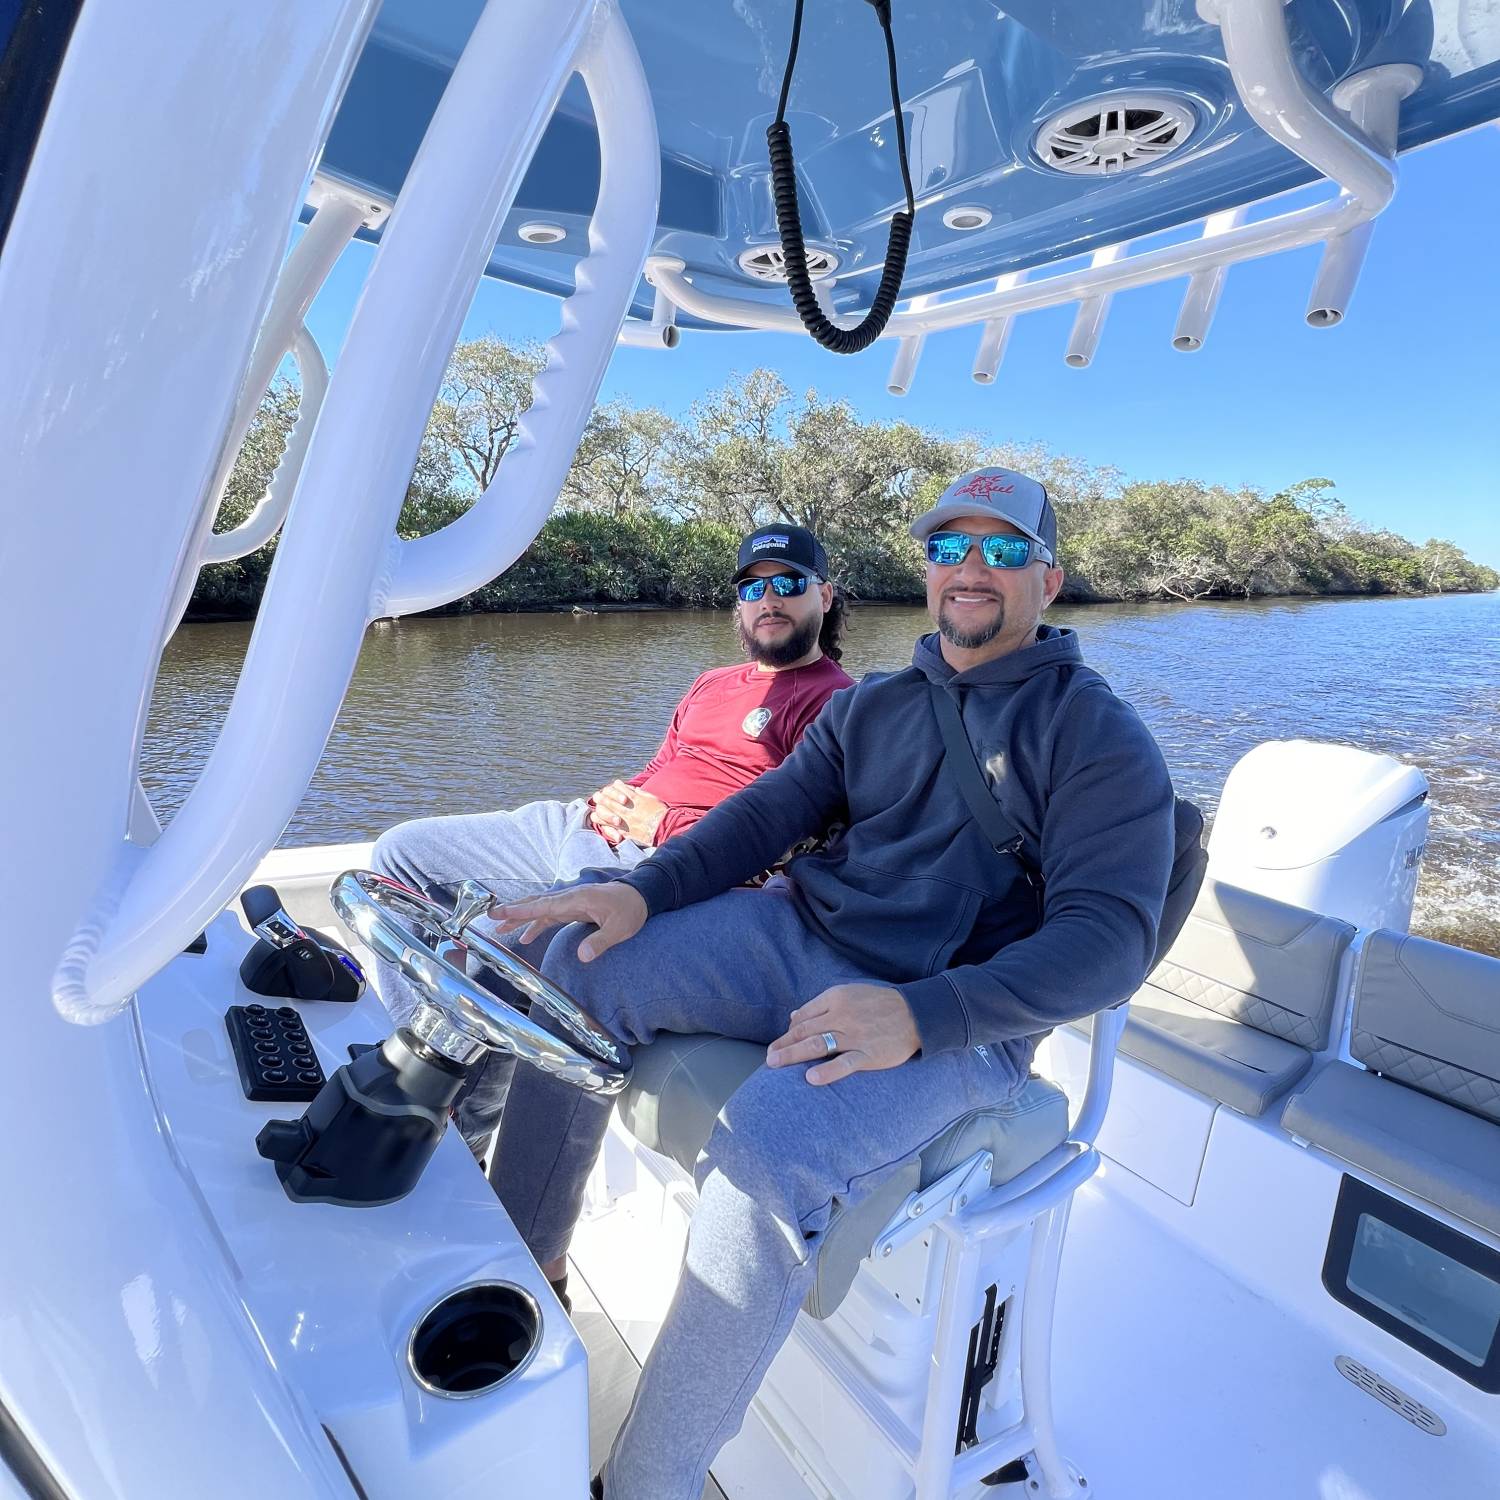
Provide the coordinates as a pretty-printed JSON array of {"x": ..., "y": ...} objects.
[{"x": 653, "y": 508}]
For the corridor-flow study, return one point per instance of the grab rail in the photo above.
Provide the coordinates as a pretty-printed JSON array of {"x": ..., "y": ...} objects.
[{"x": 336, "y": 567}]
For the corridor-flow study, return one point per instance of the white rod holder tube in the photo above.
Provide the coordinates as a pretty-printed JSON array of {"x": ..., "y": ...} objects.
[
  {"x": 904, "y": 366},
  {"x": 1088, "y": 324},
  {"x": 491, "y": 116},
  {"x": 1201, "y": 300},
  {"x": 1338, "y": 275},
  {"x": 995, "y": 336},
  {"x": 664, "y": 319},
  {"x": 1372, "y": 100},
  {"x": 908, "y": 352}
]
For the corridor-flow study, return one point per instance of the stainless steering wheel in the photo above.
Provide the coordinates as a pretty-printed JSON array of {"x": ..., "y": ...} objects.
[{"x": 373, "y": 907}]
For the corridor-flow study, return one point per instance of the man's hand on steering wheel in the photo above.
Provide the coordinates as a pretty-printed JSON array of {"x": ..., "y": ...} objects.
[{"x": 616, "y": 909}]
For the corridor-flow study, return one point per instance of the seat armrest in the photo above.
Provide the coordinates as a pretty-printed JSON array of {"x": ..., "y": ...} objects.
[{"x": 1104, "y": 1041}]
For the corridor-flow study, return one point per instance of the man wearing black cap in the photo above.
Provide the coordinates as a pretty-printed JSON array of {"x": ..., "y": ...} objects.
[
  {"x": 734, "y": 724},
  {"x": 899, "y": 976}
]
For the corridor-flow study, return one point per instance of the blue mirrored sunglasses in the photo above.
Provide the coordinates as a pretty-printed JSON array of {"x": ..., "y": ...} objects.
[
  {"x": 949, "y": 548},
  {"x": 784, "y": 584}
]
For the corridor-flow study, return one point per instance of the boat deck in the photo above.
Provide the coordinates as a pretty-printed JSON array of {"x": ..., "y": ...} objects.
[{"x": 613, "y": 1372}]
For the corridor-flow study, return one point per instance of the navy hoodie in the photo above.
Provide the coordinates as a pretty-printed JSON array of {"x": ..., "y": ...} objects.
[{"x": 913, "y": 892}]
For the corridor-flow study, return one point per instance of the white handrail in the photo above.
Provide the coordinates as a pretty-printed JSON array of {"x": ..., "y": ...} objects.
[
  {"x": 334, "y": 224},
  {"x": 502, "y": 523},
  {"x": 1104, "y": 1044},
  {"x": 270, "y": 511},
  {"x": 1260, "y": 59},
  {"x": 337, "y": 537}
]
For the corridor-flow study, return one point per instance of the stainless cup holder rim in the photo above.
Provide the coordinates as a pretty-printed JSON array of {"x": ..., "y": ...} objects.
[{"x": 484, "y": 1283}]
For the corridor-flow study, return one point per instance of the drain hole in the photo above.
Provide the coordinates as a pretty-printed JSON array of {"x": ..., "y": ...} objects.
[{"x": 474, "y": 1339}]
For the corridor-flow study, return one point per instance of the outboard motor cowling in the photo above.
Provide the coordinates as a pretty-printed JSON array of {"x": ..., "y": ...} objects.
[{"x": 1325, "y": 827}]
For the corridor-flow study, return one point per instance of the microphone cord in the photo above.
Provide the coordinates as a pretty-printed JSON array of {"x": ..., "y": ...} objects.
[{"x": 789, "y": 220}]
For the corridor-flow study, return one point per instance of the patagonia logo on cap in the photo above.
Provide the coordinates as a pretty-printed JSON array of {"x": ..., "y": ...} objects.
[{"x": 781, "y": 543}]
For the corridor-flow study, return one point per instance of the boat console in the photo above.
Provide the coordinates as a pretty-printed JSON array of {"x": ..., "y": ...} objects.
[{"x": 428, "y": 1350}]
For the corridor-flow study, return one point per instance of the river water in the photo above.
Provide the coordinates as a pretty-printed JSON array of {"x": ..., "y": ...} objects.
[{"x": 475, "y": 712}]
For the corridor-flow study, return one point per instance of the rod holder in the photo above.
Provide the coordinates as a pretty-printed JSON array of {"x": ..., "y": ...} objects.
[
  {"x": 1201, "y": 300},
  {"x": 904, "y": 366},
  {"x": 994, "y": 336},
  {"x": 1372, "y": 100},
  {"x": 1092, "y": 311},
  {"x": 908, "y": 352}
]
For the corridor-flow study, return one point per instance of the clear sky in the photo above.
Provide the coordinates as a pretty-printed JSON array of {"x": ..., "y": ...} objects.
[{"x": 1399, "y": 405}]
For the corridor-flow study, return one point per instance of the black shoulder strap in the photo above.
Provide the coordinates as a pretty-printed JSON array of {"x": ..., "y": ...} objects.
[{"x": 964, "y": 764}]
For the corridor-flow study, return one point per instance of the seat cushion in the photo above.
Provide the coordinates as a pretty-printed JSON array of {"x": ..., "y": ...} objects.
[
  {"x": 1440, "y": 1154},
  {"x": 1428, "y": 1015},
  {"x": 1258, "y": 961},
  {"x": 1214, "y": 1055},
  {"x": 680, "y": 1083}
]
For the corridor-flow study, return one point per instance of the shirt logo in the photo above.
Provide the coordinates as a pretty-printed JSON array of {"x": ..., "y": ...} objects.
[
  {"x": 755, "y": 721},
  {"x": 780, "y": 543},
  {"x": 986, "y": 486}
]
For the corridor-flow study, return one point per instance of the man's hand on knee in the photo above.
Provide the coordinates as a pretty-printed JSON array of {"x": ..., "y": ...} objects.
[
  {"x": 616, "y": 909},
  {"x": 870, "y": 1025}
]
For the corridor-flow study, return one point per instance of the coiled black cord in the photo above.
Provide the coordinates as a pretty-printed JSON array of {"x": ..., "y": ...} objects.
[{"x": 789, "y": 220}]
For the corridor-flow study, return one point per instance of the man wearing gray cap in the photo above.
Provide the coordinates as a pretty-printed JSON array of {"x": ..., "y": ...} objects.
[{"x": 900, "y": 976}]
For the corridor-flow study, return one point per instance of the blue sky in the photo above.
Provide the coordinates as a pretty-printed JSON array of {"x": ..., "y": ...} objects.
[{"x": 1399, "y": 405}]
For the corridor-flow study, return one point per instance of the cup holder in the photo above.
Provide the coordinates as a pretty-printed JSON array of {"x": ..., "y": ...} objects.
[{"x": 475, "y": 1339}]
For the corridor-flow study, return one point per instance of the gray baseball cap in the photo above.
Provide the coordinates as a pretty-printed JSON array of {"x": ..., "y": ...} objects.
[{"x": 1002, "y": 493}]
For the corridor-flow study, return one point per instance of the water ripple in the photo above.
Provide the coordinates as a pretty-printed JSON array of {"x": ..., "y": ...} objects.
[{"x": 478, "y": 712}]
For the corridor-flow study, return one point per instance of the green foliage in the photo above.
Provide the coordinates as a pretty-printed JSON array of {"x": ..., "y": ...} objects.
[{"x": 653, "y": 508}]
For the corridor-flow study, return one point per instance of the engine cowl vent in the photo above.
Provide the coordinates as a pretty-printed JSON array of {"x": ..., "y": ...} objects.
[
  {"x": 766, "y": 263},
  {"x": 1123, "y": 133}
]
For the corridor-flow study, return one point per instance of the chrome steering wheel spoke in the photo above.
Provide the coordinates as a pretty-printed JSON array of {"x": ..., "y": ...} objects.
[{"x": 374, "y": 908}]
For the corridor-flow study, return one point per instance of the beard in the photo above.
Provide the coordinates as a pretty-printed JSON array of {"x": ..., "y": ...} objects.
[
  {"x": 783, "y": 652},
  {"x": 970, "y": 637}
]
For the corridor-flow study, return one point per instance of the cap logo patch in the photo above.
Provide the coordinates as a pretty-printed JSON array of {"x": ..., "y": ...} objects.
[
  {"x": 755, "y": 721},
  {"x": 781, "y": 543},
  {"x": 984, "y": 486}
]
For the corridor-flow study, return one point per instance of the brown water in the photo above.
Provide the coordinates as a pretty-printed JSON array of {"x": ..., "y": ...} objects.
[{"x": 485, "y": 711}]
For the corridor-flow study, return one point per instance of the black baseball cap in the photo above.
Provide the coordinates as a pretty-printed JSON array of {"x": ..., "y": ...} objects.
[{"x": 793, "y": 546}]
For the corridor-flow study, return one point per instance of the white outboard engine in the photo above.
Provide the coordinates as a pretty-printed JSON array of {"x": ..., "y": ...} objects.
[{"x": 1326, "y": 827}]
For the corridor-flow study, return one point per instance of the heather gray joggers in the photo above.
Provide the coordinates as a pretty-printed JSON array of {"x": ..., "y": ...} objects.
[{"x": 782, "y": 1154}]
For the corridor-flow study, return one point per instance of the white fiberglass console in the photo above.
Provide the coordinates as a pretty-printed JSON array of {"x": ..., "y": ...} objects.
[{"x": 491, "y": 1395}]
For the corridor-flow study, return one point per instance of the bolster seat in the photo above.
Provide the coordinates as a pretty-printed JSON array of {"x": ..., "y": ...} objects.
[
  {"x": 1424, "y": 1111},
  {"x": 680, "y": 1083},
  {"x": 1244, "y": 998}
]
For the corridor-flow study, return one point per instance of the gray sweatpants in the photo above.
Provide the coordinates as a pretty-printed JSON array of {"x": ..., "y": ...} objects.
[
  {"x": 517, "y": 853},
  {"x": 782, "y": 1153}
]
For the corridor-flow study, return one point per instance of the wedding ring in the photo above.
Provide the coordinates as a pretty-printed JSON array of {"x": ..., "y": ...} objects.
[{"x": 830, "y": 1043}]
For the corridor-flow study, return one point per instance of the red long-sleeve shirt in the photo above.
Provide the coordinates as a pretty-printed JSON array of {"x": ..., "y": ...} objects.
[{"x": 733, "y": 724}]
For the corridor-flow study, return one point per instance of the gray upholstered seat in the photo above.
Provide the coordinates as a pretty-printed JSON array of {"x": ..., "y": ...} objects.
[
  {"x": 1244, "y": 998},
  {"x": 1424, "y": 1112},
  {"x": 680, "y": 1084}
]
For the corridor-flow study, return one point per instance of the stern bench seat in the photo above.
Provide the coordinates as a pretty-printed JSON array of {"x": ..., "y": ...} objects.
[
  {"x": 1244, "y": 998},
  {"x": 1424, "y": 1111}
]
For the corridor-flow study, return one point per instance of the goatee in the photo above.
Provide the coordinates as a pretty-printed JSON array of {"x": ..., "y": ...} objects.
[{"x": 969, "y": 638}]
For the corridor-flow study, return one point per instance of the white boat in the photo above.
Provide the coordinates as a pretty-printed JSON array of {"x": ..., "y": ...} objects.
[{"x": 1240, "y": 1239}]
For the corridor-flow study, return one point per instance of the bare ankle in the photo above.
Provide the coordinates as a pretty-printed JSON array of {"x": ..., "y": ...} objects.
[{"x": 555, "y": 1270}]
